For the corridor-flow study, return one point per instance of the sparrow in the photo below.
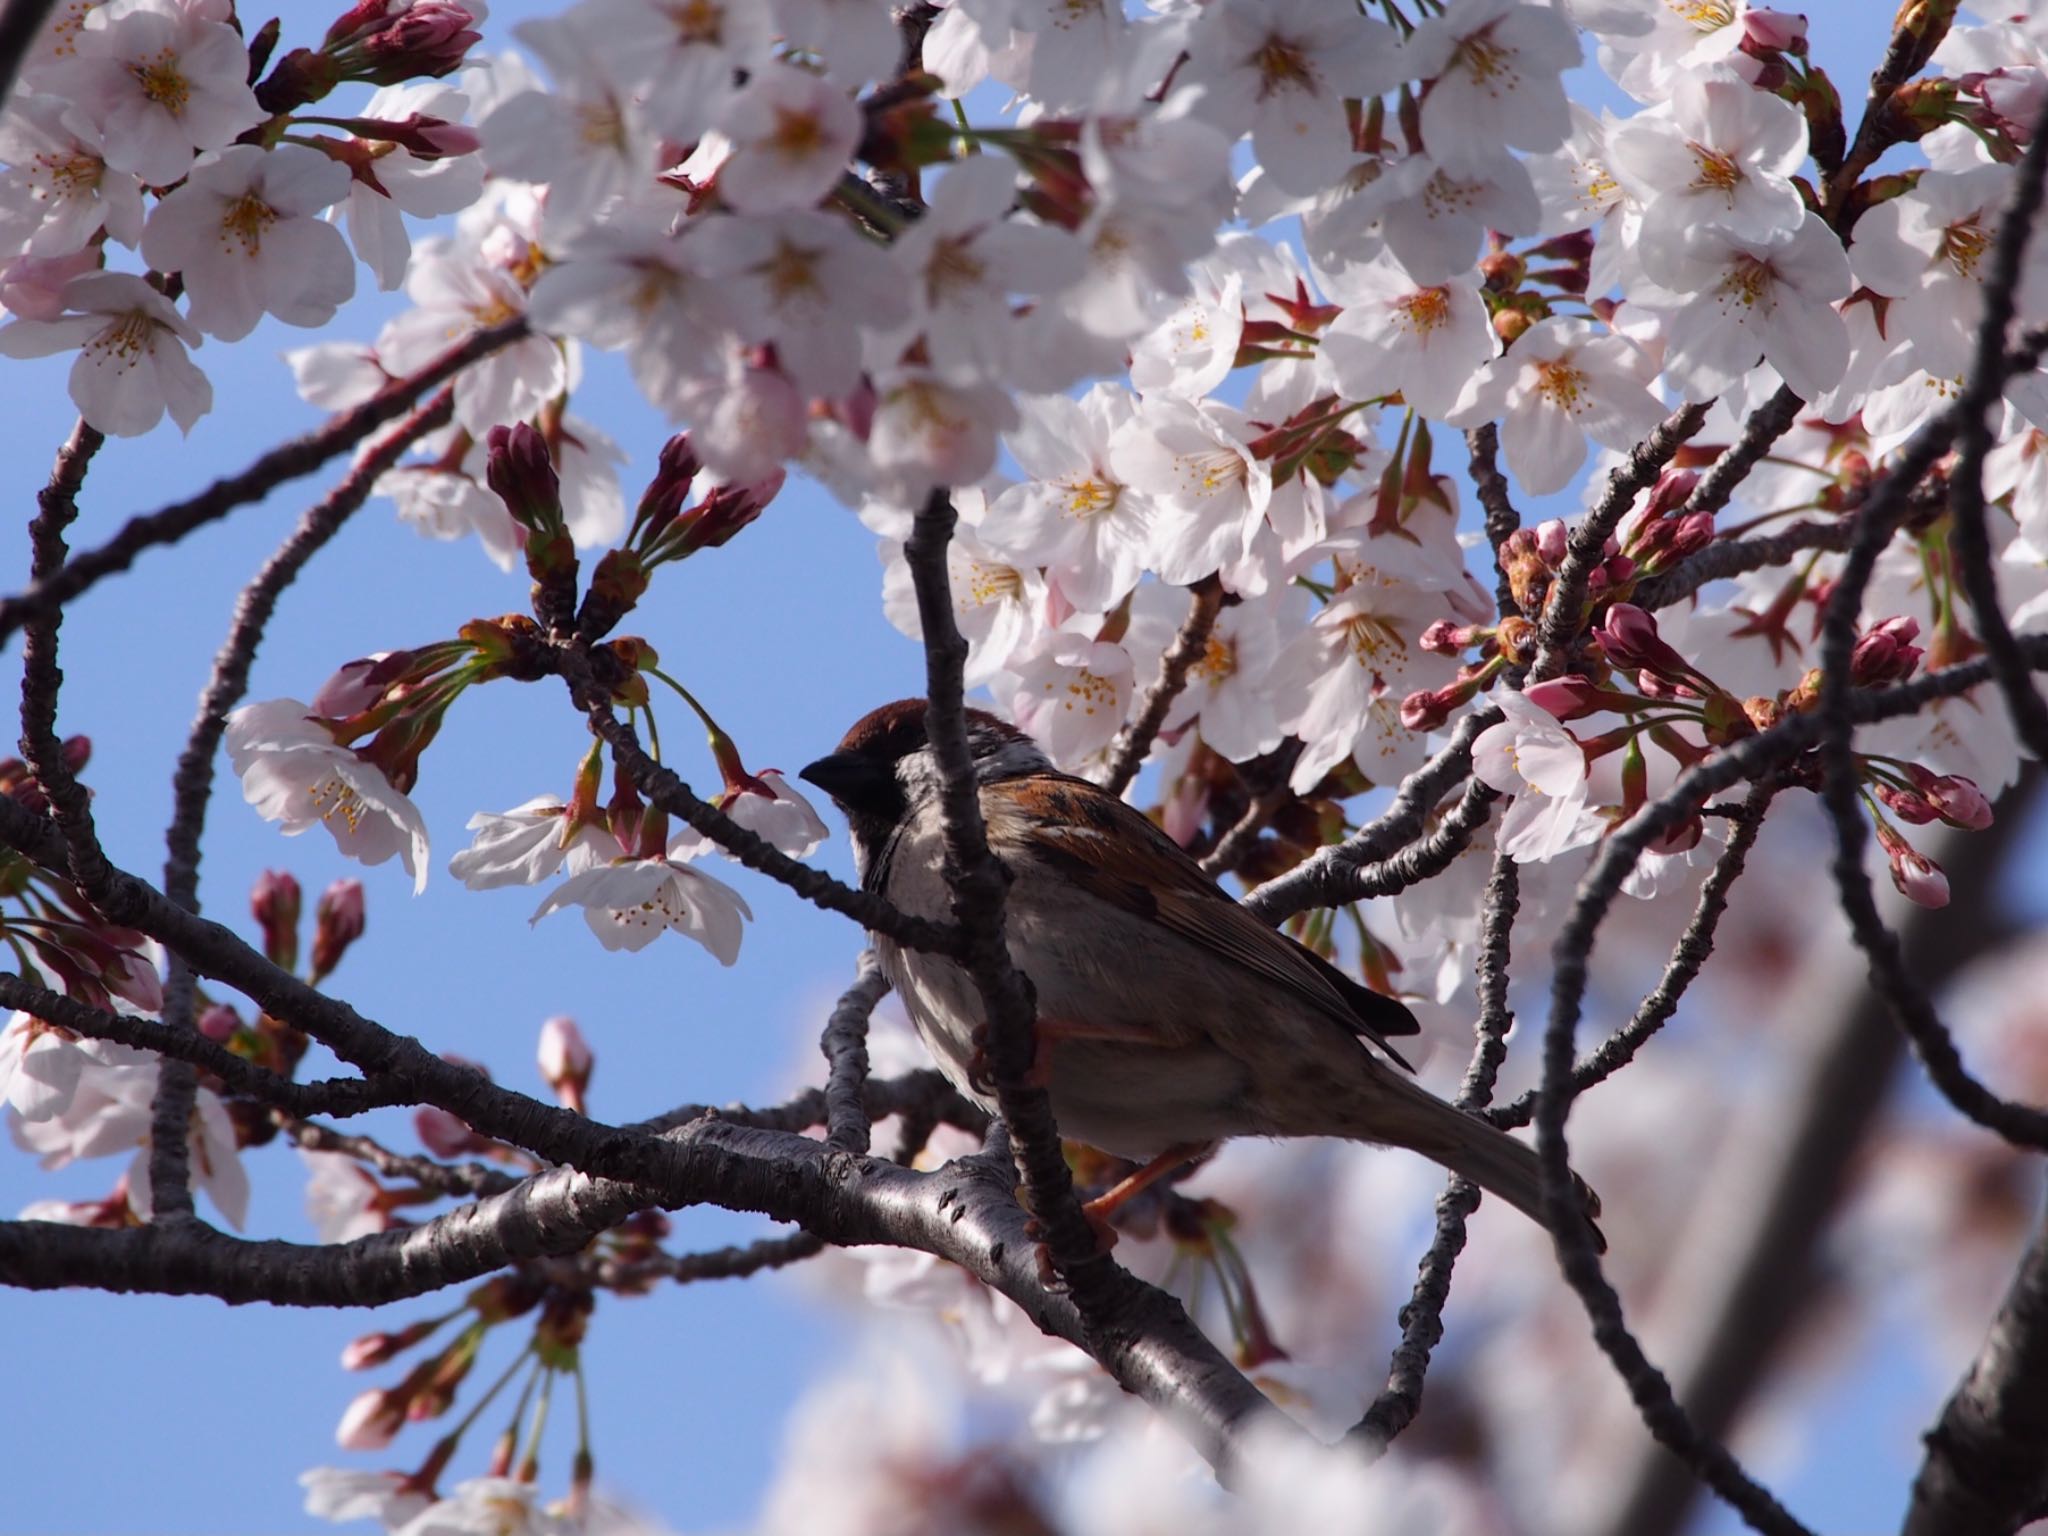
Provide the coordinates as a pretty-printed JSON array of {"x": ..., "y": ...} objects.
[{"x": 1169, "y": 1017}]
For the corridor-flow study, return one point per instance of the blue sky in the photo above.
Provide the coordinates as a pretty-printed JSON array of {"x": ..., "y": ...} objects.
[{"x": 127, "y": 1412}]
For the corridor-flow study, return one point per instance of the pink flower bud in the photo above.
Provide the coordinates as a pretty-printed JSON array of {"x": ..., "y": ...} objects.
[
  {"x": 430, "y": 138},
  {"x": 1447, "y": 639},
  {"x": 371, "y": 1421},
  {"x": 275, "y": 903},
  {"x": 663, "y": 499},
  {"x": 1919, "y": 879},
  {"x": 1426, "y": 709},
  {"x": 134, "y": 977},
  {"x": 33, "y": 286},
  {"x": 725, "y": 510},
  {"x": 444, "y": 1135},
  {"x": 1957, "y": 800},
  {"x": 371, "y": 1349},
  {"x": 1682, "y": 838},
  {"x": 1568, "y": 697},
  {"x": 1692, "y": 533},
  {"x": 1670, "y": 492},
  {"x": 1914, "y": 810},
  {"x": 219, "y": 1023},
  {"x": 522, "y": 472},
  {"x": 1551, "y": 539},
  {"x": 77, "y": 752},
  {"x": 1773, "y": 31},
  {"x": 1886, "y": 654},
  {"x": 357, "y": 685},
  {"x": 1629, "y": 637},
  {"x": 338, "y": 923},
  {"x": 566, "y": 1060},
  {"x": 390, "y": 41}
]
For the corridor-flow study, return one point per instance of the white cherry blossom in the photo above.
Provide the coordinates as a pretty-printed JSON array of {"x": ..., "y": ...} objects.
[
  {"x": 157, "y": 86},
  {"x": 530, "y": 843},
  {"x": 769, "y": 808},
  {"x": 1192, "y": 350},
  {"x": 588, "y": 138},
  {"x": 456, "y": 294},
  {"x": 999, "y": 602},
  {"x": 683, "y": 53},
  {"x": 1560, "y": 383},
  {"x": 1072, "y": 694},
  {"x": 56, "y": 190},
  {"x": 1773, "y": 297},
  {"x": 1720, "y": 151},
  {"x": 132, "y": 365},
  {"x": 1280, "y": 70},
  {"x": 856, "y": 38},
  {"x": 928, "y": 431},
  {"x": 792, "y": 132},
  {"x": 804, "y": 282},
  {"x": 294, "y": 772},
  {"x": 244, "y": 232},
  {"x": 1195, "y": 463},
  {"x": 1494, "y": 68},
  {"x": 629, "y": 903},
  {"x": 1424, "y": 340},
  {"x": 1434, "y": 218},
  {"x": 1071, "y": 514}
]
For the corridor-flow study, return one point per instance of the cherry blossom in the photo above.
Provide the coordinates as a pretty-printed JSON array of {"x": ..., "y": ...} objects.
[
  {"x": 588, "y": 138},
  {"x": 1280, "y": 70},
  {"x": 402, "y": 182},
  {"x": 243, "y": 234},
  {"x": 792, "y": 132},
  {"x": 56, "y": 191},
  {"x": 998, "y": 601},
  {"x": 341, "y": 1199},
  {"x": 1493, "y": 67},
  {"x": 456, "y": 294},
  {"x": 1072, "y": 694},
  {"x": 767, "y": 806},
  {"x": 1071, "y": 515},
  {"x": 1723, "y": 152},
  {"x": 856, "y": 38},
  {"x": 293, "y": 771},
  {"x": 1195, "y": 463},
  {"x": 1561, "y": 383},
  {"x": 157, "y": 86},
  {"x": 132, "y": 366},
  {"x": 682, "y": 53},
  {"x": 1396, "y": 335},
  {"x": 530, "y": 843},
  {"x": 629, "y": 903},
  {"x": 347, "y": 1494},
  {"x": 1775, "y": 297}
]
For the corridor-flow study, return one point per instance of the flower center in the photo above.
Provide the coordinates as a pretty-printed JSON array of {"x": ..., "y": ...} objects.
[
  {"x": 243, "y": 221},
  {"x": 124, "y": 341},
  {"x": 161, "y": 81},
  {"x": 1963, "y": 245},
  {"x": 600, "y": 124},
  {"x": 1443, "y": 197},
  {"x": 1747, "y": 282},
  {"x": 1703, "y": 15},
  {"x": 334, "y": 796},
  {"x": 698, "y": 22},
  {"x": 1485, "y": 60},
  {"x": 1211, "y": 470},
  {"x": 1424, "y": 311},
  {"x": 66, "y": 176},
  {"x": 798, "y": 135},
  {"x": 1218, "y": 661},
  {"x": 1091, "y": 497},
  {"x": 791, "y": 273},
  {"x": 1283, "y": 65},
  {"x": 988, "y": 583},
  {"x": 1086, "y": 691},
  {"x": 1563, "y": 385},
  {"x": 1370, "y": 638},
  {"x": 953, "y": 266},
  {"x": 1714, "y": 171}
]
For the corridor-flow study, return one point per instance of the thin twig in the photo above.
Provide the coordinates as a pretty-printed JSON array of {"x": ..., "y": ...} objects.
[
  {"x": 1694, "y": 945},
  {"x": 1422, "y": 1323},
  {"x": 1766, "y": 424},
  {"x": 288, "y": 461},
  {"x": 845, "y": 1044},
  {"x": 442, "y": 1178},
  {"x": 1133, "y": 744},
  {"x": 1736, "y": 557},
  {"x": 21, "y": 22},
  {"x": 1482, "y": 445}
]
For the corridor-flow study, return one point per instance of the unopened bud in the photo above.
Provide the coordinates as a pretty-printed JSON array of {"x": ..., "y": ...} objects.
[
  {"x": 274, "y": 901},
  {"x": 1919, "y": 879},
  {"x": 663, "y": 499},
  {"x": 1552, "y": 539},
  {"x": 1768, "y": 31},
  {"x": 445, "y": 1135},
  {"x": 1913, "y": 809},
  {"x": 337, "y": 923},
  {"x": 1444, "y": 638},
  {"x": 371, "y": 1421},
  {"x": 1568, "y": 698},
  {"x": 387, "y": 42},
  {"x": 220, "y": 1023},
  {"x": 1957, "y": 800},
  {"x": 76, "y": 752},
  {"x": 1629, "y": 637},
  {"x": 566, "y": 1061},
  {"x": 1885, "y": 654},
  {"x": 522, "y": 472},
  {"x": 356, "y": 685}
]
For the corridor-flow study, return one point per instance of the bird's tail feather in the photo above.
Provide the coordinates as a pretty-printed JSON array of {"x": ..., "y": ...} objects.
[{"x": 1401, "y": 1113}]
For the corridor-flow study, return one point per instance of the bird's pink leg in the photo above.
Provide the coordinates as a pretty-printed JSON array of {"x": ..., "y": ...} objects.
[{"x": 1104, "y": 1206}]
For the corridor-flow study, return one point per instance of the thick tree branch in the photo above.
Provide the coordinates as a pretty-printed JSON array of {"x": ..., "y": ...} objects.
[
  {"x": 1986, "y": 1472},
  {"x": 1766, "y": 424}
]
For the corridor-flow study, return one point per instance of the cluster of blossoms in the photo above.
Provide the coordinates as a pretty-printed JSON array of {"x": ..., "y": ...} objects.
[{"x": 1156, "y": 375}]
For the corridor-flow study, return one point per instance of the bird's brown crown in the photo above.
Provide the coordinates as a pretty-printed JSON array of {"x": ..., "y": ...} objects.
[{"x": 894, "y": 731}]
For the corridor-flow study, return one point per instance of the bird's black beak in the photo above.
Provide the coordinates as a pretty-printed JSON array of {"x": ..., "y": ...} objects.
[{"x": 850, "y": 778}]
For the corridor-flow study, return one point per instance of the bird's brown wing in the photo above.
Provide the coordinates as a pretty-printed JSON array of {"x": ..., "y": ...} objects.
[{"x": 1118, "y": 856}]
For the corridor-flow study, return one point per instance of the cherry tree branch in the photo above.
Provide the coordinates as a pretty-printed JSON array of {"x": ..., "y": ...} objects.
[
  {"x": 1735, "y": 557},
  {"x": 1134, "y": 743},
  {"x": 1764, "y": 426},
  {"x": 845, "y": 1047},
  {"x": 289, "y": 461},
  {"x": 443, "y": 1178},
  {"x": 1986, "y": 1470},
  {"x": 979, "y": 882}
]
